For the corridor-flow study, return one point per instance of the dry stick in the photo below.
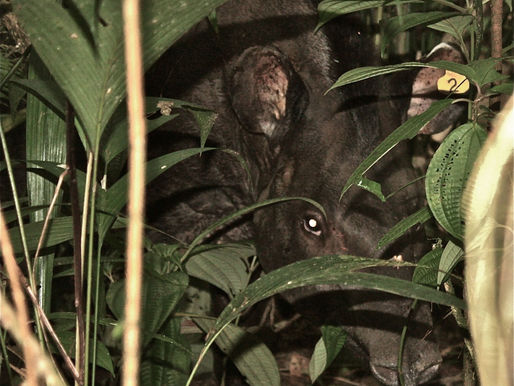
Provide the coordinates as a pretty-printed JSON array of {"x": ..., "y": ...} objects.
[
  {"x": 8, "y": 319},
  {"x": 137, "y": 155},
  {"x": 77, "y": 261},
  {"x": 496, "y": 39},
  {"x": 19, "y": 301}
]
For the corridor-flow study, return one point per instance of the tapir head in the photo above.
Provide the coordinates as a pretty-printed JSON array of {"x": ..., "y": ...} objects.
[{"x": 315, "y": 142}]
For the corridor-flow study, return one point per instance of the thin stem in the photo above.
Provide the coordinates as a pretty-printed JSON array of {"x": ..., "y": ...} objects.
[
  {"x": 4, "y": 354},
  {"x": 20, "y": 223},
  {"x": 14, "y": 68}
]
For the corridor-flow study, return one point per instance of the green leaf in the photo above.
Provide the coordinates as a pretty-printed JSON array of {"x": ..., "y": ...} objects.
[
  {"x": 103, "y": 357},
  {"x": 454, "y": 26},
  {"x": 400, "y": 228},
  {"x": 59, "y": 230},
  {"x": 372, "y": 187},
  {"x": 115, "y": 198},
  {"x": 46, "y": 91},
  {"x": 93, "y": 75},
  {"x": 329, "y": 9},
  {"x": 166, "y": 362},
  {"x": 160, "y": 295},
  {"x": 485, "y": 71},
  {"x": 222, "y": 266},
  {"x": 428, "y": 268},
  {"x": 362, "y": 73},
  {"x": 448, "y": 172},
  {"x": 450, "y": 257},
  {"x": 504, "y": 88},
  {"x": 406, "y": 131},
  {"x": 326, "y": 350},
  {"x": 392, "y": 26},
  {"x": 339, "y": 270},
  {"x": 251, "y": 357}
]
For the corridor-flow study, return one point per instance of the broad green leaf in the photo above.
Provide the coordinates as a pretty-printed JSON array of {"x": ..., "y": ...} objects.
[
  {"x": 115, "y": 198},
  {"x": 406, "y": 131},
  {"x": 59, "y": 230},
  {"x": 428, "y": 268},
  {"x": 326, "y": 350},
  {"x": 251, "y": 357},
  {"x": 103, "y": 357},
  {"x": 93, "y": 75},
  {"x": 448, "y": 172},
  {"x": 166, "y": 362},
  {"x": 222, "y": 266},
  {"x": 485, "y": 71},
  {"x": 455, "y": 26},
  {"x": 160, "y": 295},
  {"x": 341, "y": 270},
  {"x": 451, "y": 256},
  {"x": 392, "y": 26},
  {"x": 399, "y": 229},
  {"x": 362, "y": 73}
]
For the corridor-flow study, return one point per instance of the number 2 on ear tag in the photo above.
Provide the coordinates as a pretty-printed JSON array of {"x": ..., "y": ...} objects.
[{"x": 453, "y": 82}]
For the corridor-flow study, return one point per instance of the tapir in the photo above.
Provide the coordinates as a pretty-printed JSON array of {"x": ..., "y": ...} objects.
[{"x": 265, "y": 71}]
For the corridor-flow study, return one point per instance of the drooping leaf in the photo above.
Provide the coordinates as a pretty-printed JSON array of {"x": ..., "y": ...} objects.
[
  {"x": 341, "y": 270},
  {"x": 251, "y": 357},
  {"x": 329, "y": 9},
  {"x": 448, "y": 172},
  {"x": 406, "y": 131},
  {"x": 418, "y": 217},
  {"x": 428, "y": 268},
  {"x": 362, "y": 73},
  {"x": 372, "y": 187},
  {"x": 485, "y": 71},
  {"x": 46, "y": 91},
  {"x": 166, "y": 362},
  {"x": 451, "y": 256},
  {"x": 160, "y": 295},
  {"x": 326, "y": 350}
]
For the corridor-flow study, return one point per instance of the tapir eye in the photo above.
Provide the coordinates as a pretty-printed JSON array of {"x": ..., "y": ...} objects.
[{"x": 312, "y": 225}]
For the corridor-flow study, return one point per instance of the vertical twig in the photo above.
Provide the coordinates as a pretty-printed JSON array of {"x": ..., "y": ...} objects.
[
  {"x": 77, "y": 257},
  {"x": 496, "y": 41},
  {"x": 19, "y": 300},
  {"x": 137, "y": 155}
]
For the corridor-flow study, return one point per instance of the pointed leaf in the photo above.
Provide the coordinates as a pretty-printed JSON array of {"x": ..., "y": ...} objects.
[
  {"x": 326, "y": 350},
  {"x": 451, "y": 256},
  {"x": 404, "y": 225},
  {"x": 428, "y": 268},
  {"x": 160, "y": 295},
  {"x": 251, "y": 357},
  {"x": 455, "y": 26},
  {"x": 222, "y": 266},
  {"x": 406, "y": 131}
]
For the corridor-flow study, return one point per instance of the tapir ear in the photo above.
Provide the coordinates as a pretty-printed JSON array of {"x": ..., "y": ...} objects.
[
  {"x": 425, "y": 90},
  {"x": 267, "y": 94}
]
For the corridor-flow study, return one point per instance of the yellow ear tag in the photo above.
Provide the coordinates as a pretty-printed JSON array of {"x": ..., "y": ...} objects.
[{"x": 453, "y": 82}]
